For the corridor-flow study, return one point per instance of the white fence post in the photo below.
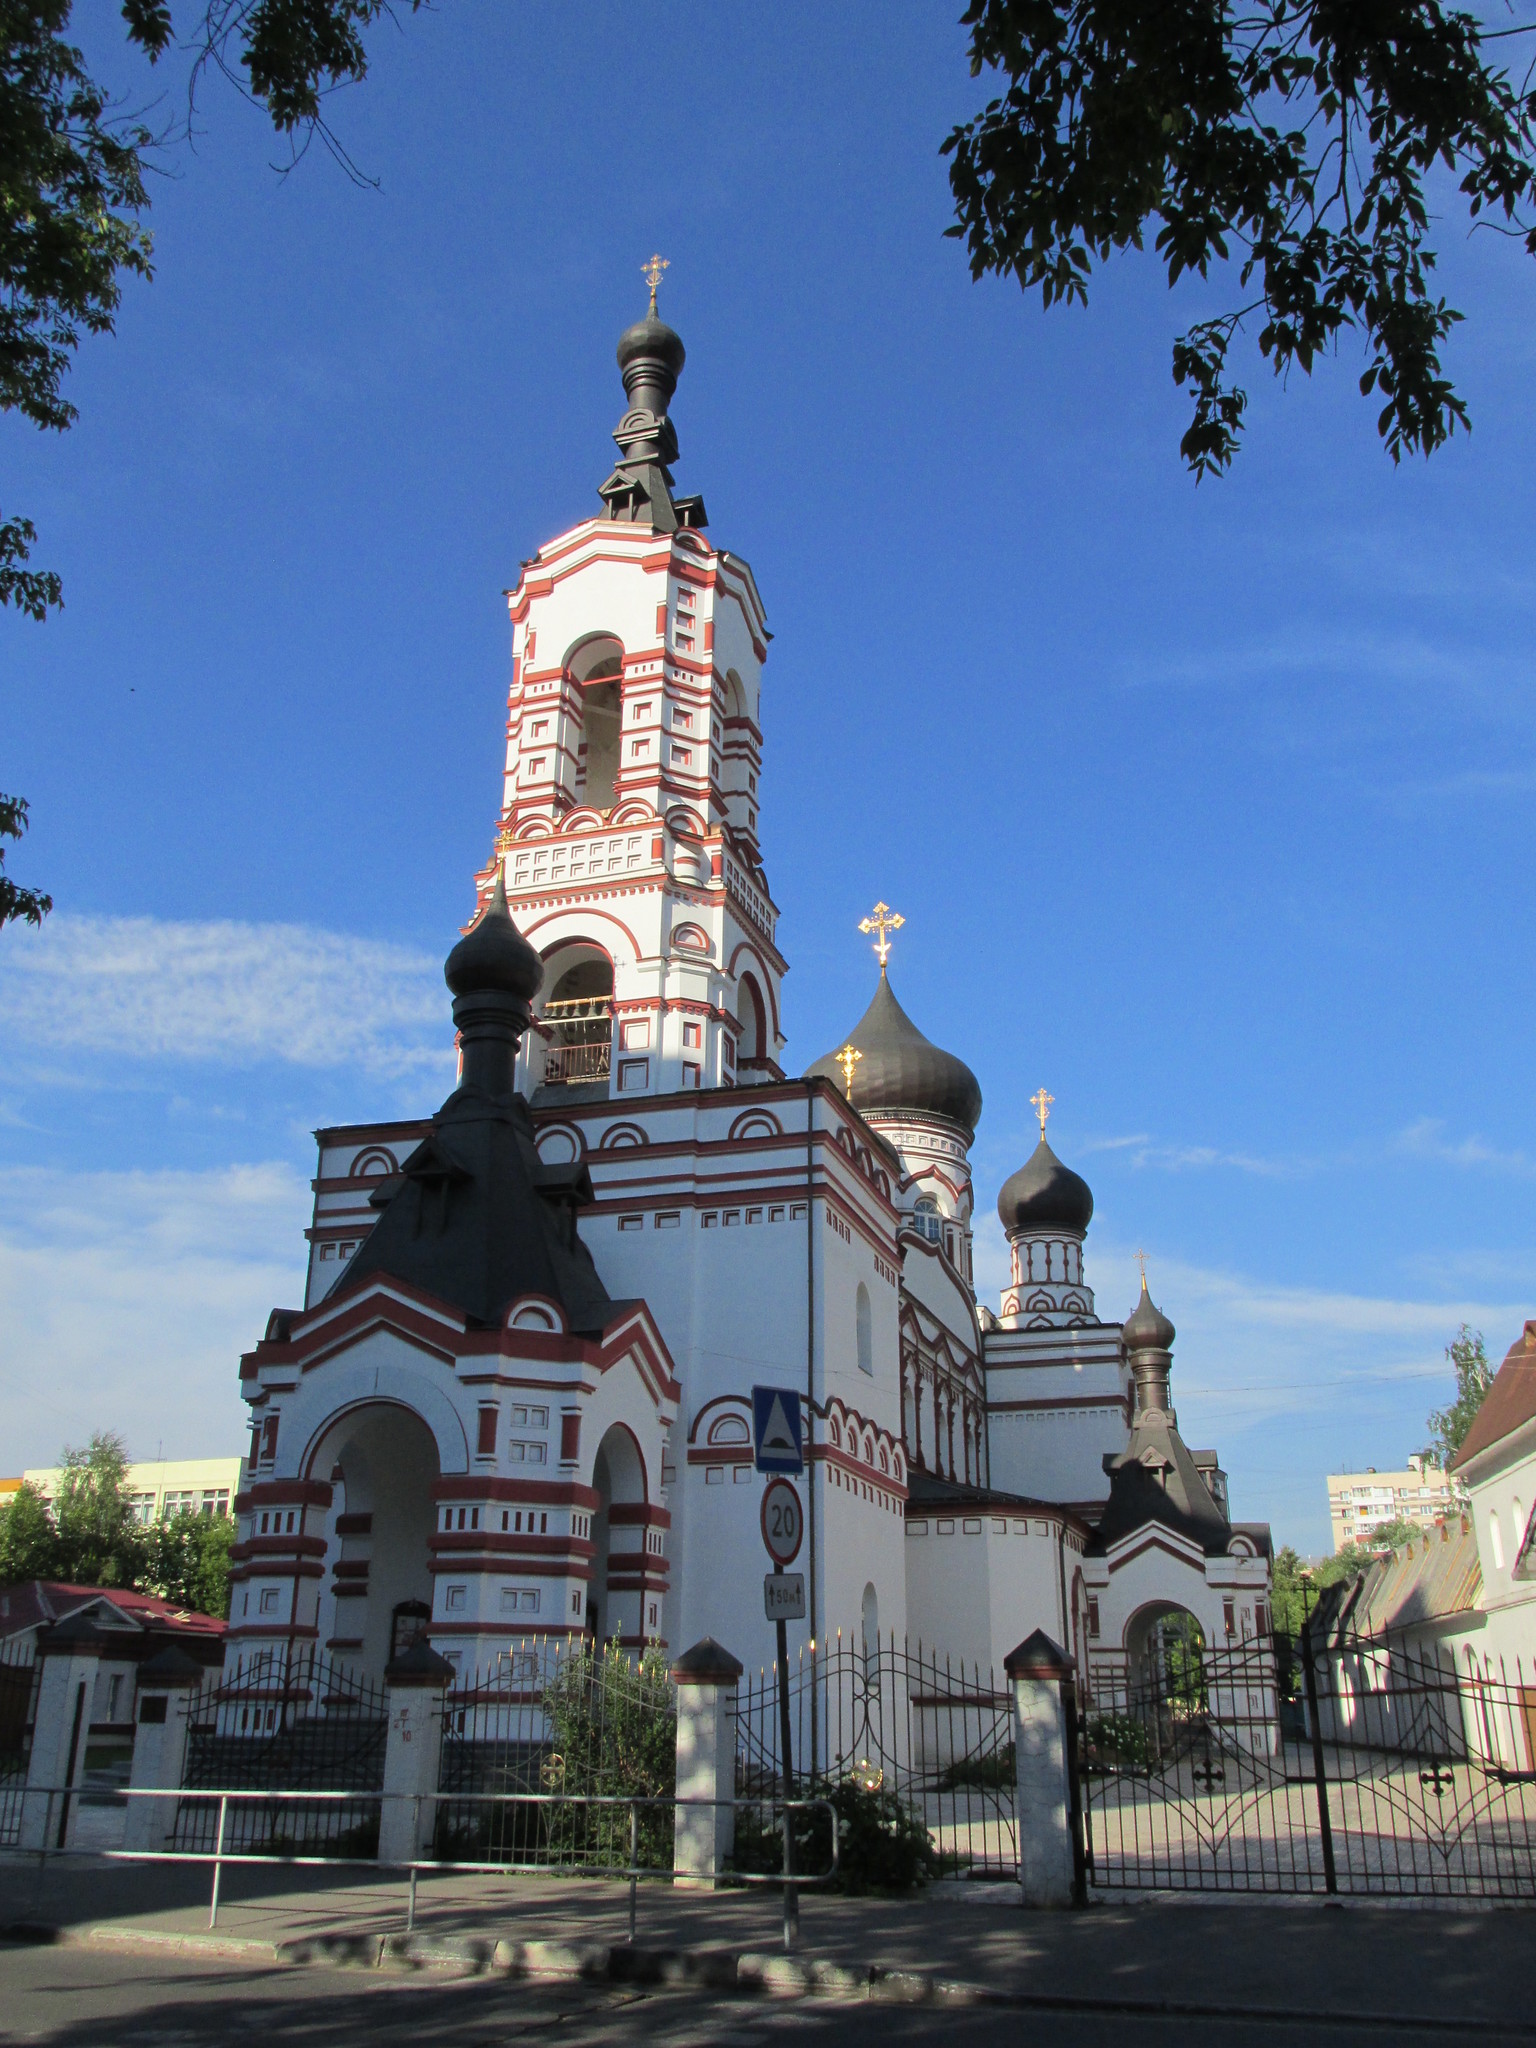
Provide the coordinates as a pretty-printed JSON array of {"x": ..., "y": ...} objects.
[
  {"x": 414, "y": 1687},
  {"x": 161, "y": 1723},
  {"x": 1042, "y": 1676},
  {"x": 66, "y": 1689},
  {"x": 704, "y": 1835}
]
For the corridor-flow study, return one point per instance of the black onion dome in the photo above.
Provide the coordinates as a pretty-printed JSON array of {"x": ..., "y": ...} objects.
[
  {"x": 493, "y": 954},
  {"x": 655, "y": 339},
  {"x": 901, "y": 1069},
  {"x": 1147, "y": 1328},
  {"x": 1045, "y": 1195}
]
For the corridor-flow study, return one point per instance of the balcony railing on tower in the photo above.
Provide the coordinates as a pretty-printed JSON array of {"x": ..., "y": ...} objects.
[{"x": 582, "y": 1040}]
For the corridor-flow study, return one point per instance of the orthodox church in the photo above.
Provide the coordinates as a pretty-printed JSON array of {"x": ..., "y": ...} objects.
[{"x": 517, "y": 1399}]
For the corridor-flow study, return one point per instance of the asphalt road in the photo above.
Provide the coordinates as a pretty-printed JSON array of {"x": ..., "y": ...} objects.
[{"x": 79, "y": 1998}]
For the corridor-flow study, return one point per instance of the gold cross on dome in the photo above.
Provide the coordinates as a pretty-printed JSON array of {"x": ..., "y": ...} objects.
[
  {"x": 1141, "y": 1260},
  {"x": 882, "y": 920},
  {"x": 651, "y": 272},
  {"x": 848, "y": 1059},
  {"x": 1040, "y": 1102}
]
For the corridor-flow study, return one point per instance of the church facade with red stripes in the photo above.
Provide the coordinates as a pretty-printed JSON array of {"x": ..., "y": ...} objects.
[{"x": 517, "y": 1397}]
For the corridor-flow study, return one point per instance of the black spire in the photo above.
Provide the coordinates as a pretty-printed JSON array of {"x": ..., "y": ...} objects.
[
  {"x": 494, "y": 974},
  {"x": 639, "y": 492}
]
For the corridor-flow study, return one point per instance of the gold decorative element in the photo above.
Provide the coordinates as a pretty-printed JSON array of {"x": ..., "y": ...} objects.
[
  {"x": 867, "y": 1776},
  {"x": 651, "y": 272},
  {"x": 1040, "y": 1102},
  {"x": 882, "y": 920},
  {"x": 848, "y": 1059},
  {"x": 1141, "y": 1260}
]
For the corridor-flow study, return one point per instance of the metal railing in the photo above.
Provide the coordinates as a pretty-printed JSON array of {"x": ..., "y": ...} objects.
[
  {"x": 567, "y": 1063},
  {"x": 790, "y": 1881}
]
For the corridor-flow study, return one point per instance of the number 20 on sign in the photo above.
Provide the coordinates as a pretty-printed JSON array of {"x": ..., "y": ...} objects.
[{"x": 783, "y": 1521}]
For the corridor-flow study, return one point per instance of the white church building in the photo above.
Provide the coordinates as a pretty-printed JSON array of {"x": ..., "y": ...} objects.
[{"x": 517, "y": 1398}]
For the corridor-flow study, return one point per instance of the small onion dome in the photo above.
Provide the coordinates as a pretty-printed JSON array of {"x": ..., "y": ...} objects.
[
  {"x": 900, "y": 1069},
  {"x": 655, "y": 340},
  {"x": 1045, "y": 1195},
  {"x": 493, "y": 954},
  {"x": 1148, "y": 1329}
]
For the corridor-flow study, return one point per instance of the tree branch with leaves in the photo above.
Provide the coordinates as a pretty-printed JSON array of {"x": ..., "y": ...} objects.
[{"x": 1286, "y": 145}]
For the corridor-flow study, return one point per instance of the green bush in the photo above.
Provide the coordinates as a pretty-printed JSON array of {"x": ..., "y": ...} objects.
[
  {"x": 1118, "y": 1742},
  {"x": 613, "y": 1730},
  {"x": 882, "y": 1843}
]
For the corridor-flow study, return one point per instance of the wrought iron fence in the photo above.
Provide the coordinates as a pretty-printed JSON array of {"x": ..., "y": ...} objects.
[
  {"x": 931, "y": 1735},
  {"x": 555, "y": 1729},
  {"x": 285, "y": 1720},
  {"x": 1386, "y": 1773},
  {"x": 18, "y": 1685}
]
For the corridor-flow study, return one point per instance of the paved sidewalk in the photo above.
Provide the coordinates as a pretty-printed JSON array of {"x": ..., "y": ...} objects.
[{"x": 1452, "y": 1966}]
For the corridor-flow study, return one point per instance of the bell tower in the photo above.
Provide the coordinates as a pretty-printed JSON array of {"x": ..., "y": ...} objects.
[{"x": 628, "y": 837}]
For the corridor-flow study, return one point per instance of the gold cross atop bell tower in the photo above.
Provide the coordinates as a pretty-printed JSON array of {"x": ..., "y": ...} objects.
[
  {"x": 882, "y": 920},
  {"x": 651, "y": 272},
  {"x": 1040, "y": 1102}
]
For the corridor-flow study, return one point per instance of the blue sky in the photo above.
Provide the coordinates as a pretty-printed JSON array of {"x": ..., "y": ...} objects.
[{"x": 1208, "y": 808}]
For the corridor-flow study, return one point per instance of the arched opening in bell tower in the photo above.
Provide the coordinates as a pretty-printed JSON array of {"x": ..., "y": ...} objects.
[
  {"x": 752, "y": 1039},
  {"x": 598, "y": 666},
  {"x": 578, "y": 1014}
]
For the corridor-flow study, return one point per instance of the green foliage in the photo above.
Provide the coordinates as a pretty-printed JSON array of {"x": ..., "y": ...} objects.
[
  {"x": 1474, "y": 1376},
  {"x": 613, "y": 1731},
  {"x": 15, "y": 901},
  {"x": 1287, "y": 142},
  {"x": 100, "y": 1541},
  {"x": 186, "y": 1560},
  {"x": 29, "y": 1543},
  {"x": 1117, "y": 1742},
  {"x": 73, "y": 188},
  {"x": 1293, "y": 1593},
  {"x": 883, "y": 1844},
  {"x": 72, "y": 195}
]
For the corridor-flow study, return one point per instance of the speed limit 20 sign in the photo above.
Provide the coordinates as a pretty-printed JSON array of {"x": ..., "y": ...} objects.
[{"x": 783, "y": 1521}]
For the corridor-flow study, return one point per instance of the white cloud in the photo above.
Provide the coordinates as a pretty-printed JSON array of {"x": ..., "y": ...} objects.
[
  {"x": 1426, "y": 1139},
  {"x": 149, "y": 989},
  {"x": 129, "y": 1298},
  {"x": 1144, "y": 1150}
]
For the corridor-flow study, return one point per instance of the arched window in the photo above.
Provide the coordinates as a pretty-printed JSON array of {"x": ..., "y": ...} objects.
[
  {"x": 870, "y": 1630},
  {"x": 864, "y": 1328},
  {"x": 598, "y": 667},
  {"x": 1496, "y": 1538},
  {"x": 925, "y": 1219},
  {"x": 752, "y": 1041}
]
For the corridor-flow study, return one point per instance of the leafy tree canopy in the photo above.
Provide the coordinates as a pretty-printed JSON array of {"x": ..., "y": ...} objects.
[
  {"x": 90, "y": 1536},
  {"x": 1474, "y": 1376},
  {"x": 73, "y": 197},
  {"x": 29, "y": 1543},
  {"x": 99, "y": 1536},
  {"x": 186, "y": 1560},
  {"x": 15, "y": 901},
  {"x": 1287, "y": 142}
]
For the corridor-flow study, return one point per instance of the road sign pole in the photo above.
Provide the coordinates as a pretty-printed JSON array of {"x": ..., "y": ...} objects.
[{"x": 791, "y": 1891}]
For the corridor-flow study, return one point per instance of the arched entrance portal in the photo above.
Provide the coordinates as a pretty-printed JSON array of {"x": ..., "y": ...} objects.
[
  {"x": 382, "y": 1462},
  {"x": 615, "y": 1595},
  {"x": 1165, "y": 1654}
]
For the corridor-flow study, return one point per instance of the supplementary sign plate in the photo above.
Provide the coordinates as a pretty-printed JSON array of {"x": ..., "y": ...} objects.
[{"x": 784, "y": 1596}]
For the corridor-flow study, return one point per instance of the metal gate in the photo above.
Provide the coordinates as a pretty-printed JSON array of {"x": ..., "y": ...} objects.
[
  {"x": 18, "y": 1681},
  {"x": 286, "y": 1722},
  {"x": 932, "y": 1734},
  {"x": 559, "y": 1722},
  {"x": 1350, "y": 1765}
]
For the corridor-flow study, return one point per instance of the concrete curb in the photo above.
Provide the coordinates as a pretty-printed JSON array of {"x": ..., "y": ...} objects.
[{"x": 747, "y": 1974}]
